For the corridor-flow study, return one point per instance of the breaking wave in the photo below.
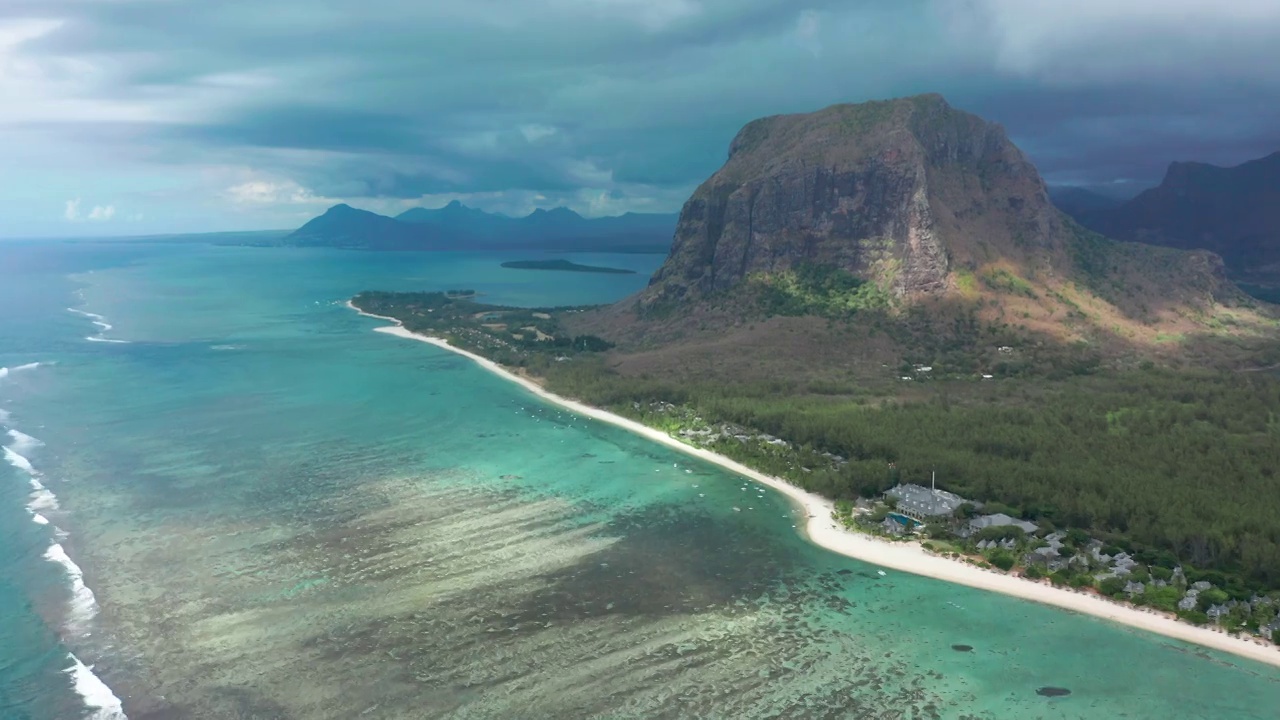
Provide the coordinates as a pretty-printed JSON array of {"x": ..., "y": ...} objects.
[
  {"x": 103, "y": 326},
  {"x": 19, "y": 461},
  {"x": 96, "y": 695},
  {"x": 23, "y": 442},
  {"x": 42, "y": 498},
  {"x": 99, "y": 700},
  {"x": 84, "y": 606},
  {"x": 92, "y": 338},
  {"x": 85, "y": 313},
  {"x": 5, "y": 372}
]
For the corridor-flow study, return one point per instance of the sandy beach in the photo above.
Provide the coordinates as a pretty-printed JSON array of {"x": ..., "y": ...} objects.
[{"x": 824, "y": 531}]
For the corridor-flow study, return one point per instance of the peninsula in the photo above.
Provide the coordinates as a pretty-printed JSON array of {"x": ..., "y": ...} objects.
[
  {"x": 564, "y": 265},
  {"x": 869, "y": 294},
  {"x": 824, "y": 528}
]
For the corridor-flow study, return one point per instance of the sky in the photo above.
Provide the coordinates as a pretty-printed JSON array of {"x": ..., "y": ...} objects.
[{"x": 129, "y": 117}]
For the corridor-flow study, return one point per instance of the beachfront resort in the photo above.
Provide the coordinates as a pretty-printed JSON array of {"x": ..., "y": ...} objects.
[{"x": 957, "y": 527}]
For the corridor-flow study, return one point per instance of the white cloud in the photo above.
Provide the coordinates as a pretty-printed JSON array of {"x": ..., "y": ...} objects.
[
  {"x": 808, "y": 25},
  {"x": 1117, "y": 40},
  {"x": 533, "y": 132},
  {"x": 99, "y": 213},
  {"x": 588, "y": 173},
  {"x": 284, "y": 192},
  {"x": 44, "y": 88}
]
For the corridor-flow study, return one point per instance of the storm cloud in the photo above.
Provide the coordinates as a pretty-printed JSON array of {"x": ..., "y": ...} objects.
[{"x": 188, "y": 115}]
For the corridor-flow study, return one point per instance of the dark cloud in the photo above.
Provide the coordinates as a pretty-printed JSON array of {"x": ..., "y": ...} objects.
[
  {"x": 310, "y": 128},
  {"x": 631, "y": 100},
  {"x": 1096, "y": 135}
]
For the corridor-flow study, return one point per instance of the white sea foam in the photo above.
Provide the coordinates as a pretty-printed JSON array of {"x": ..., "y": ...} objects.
[
  {"x": 101, "y": 322},
  {"x": 18, "y": 461},
  {"x": 23, "y": 442},
  {"x": 83, "y": 604},
  {"x": 83, "y": 313},
  {"x": 39, "y": 519},
  {"x": 42, "y": 498},
  {"x": 97, "y": 696},
  {"x": 5, "y": 372}
]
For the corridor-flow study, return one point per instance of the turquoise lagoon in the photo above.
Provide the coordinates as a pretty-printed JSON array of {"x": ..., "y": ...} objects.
[{"x": 278, "y": 513}]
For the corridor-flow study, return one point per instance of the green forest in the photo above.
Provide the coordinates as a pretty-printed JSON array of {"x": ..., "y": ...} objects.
[{"x": 1179, "y": 463}]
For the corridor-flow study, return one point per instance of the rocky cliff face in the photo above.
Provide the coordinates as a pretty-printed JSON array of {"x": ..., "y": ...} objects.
[
  {"x": 897, "y": 192},
  {"x": 1234, "y": 212}
]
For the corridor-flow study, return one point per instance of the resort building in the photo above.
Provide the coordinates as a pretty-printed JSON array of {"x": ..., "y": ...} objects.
[
  {"x": 1000, "y": 520},
  {"x": 921, "y": 503}
]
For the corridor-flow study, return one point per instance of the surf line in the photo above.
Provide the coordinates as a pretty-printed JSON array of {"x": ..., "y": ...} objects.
[
  {"x": 97, "y": 696},
  {"x": 103, "y": 327}
]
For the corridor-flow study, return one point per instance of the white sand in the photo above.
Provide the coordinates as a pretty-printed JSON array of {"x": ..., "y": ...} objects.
[{"x": 907, "y": 557}]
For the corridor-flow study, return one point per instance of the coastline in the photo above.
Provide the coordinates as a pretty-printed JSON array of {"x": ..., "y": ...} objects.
[{"x": 823, "y": 531}]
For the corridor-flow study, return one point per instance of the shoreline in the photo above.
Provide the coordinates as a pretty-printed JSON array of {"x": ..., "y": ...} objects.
[{"x": 826, "y": 533}]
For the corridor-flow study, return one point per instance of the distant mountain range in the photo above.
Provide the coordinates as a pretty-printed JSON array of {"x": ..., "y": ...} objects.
[
  {"x": 458, "y": 227},
  {"x": 1231, "y": 211}
]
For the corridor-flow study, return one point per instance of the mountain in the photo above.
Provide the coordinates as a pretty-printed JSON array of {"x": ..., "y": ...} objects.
[
  {"x": 922, "y": 215},
  {"x": 343, "y": 226},
  {"x": 458, "y": 227},
  {"x": 1232, "y": 211},
  {"x": 557, "y": 223},
  {"x": 1079, "y": 201},
  {"x": 456, "y": 217}
]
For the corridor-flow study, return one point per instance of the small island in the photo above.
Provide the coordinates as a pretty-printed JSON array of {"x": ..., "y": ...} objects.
[{"x": 564, "y": 265}]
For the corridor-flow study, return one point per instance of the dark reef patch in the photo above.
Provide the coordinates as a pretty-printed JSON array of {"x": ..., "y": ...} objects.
[
  {"x": 667, "y": 561},
  {"x": 1049, "y": 691}
]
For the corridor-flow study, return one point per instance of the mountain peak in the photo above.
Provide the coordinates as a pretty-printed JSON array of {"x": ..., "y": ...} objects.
[
  {"x": 555, "y": 213},
  {"x": 910, "y": 215},
  {"x": 877, "y": 189},
  {"x": 1232, "y": 211}
]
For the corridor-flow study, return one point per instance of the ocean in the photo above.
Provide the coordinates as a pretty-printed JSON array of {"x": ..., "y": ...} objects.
[{"x": 224, "y": 496}]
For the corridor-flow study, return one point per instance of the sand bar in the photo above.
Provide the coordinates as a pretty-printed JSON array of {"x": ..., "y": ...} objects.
[{"x": 823, "y": 531}]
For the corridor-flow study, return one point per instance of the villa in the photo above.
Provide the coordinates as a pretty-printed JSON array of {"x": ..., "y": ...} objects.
[
  {"x": 999, "y": 520},
  {"x": 921, "y": 503}
]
